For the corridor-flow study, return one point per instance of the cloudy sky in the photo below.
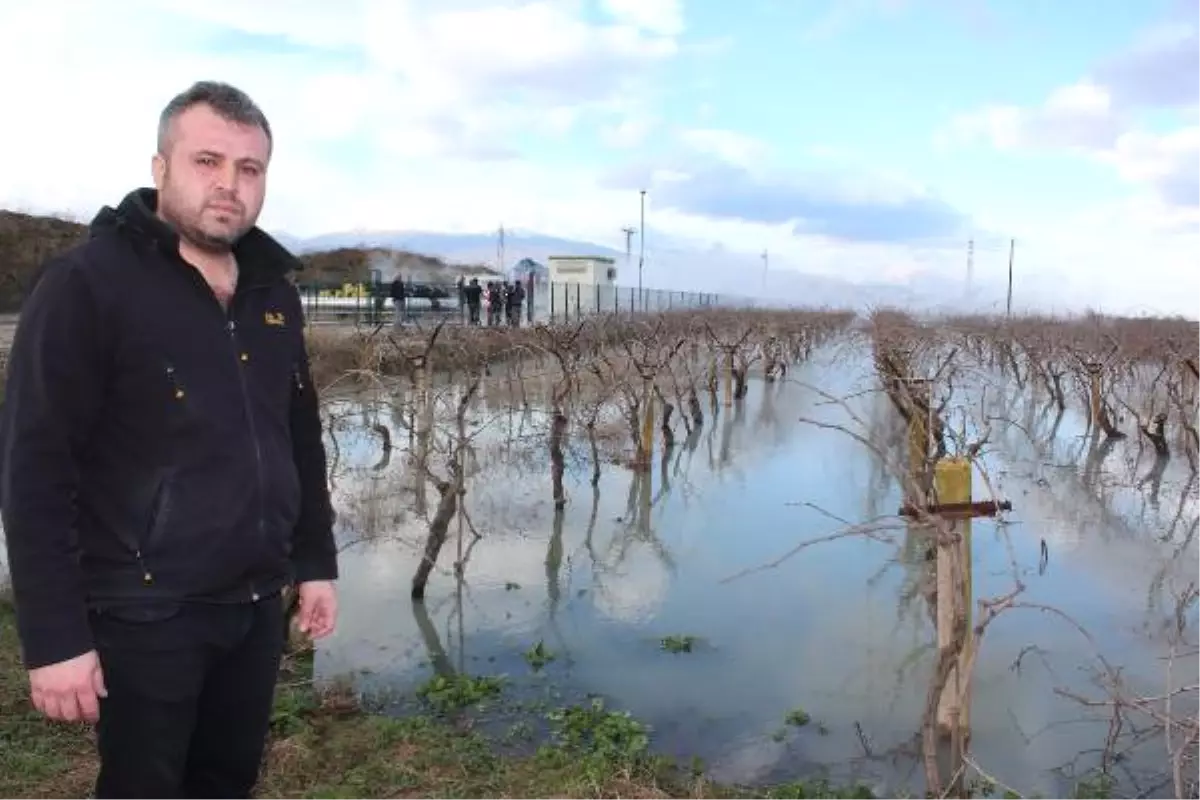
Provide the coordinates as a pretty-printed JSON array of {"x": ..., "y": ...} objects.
[{"x": 863, "y": 139}]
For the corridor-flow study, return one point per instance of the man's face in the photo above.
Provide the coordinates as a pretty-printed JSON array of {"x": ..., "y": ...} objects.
[{"x": 213, "y": 178}]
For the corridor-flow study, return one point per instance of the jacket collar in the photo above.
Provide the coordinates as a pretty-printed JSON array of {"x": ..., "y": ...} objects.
[{"x": 259, "y": 255}]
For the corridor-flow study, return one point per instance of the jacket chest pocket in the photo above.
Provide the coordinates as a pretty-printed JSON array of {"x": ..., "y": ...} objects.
[
  {"x": 194, "y": 399},
  {"x": 162, "y": 406},
  {"x": 176, "y": 392}
]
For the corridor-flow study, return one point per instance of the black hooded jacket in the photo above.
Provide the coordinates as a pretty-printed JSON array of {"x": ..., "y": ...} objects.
[{"x": 157, "y": 448}]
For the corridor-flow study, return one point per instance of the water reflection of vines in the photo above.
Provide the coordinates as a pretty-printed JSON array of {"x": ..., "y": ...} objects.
[{"x": 913, "y": 344}]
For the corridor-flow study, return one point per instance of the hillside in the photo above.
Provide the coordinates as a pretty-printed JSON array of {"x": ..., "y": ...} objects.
[
  {"x": 27, "y": 240},
  {"x": 357, "y": 265}
]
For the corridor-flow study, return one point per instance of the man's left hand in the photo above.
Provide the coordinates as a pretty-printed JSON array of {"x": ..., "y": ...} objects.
[{"x": 317, "y": 615}]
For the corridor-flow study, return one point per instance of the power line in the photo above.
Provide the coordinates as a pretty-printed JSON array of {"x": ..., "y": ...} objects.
[
  {"x": 628, "y": 231},
  {"x": 970, "y": 265},
  {"x": 1012, "y": 247},
  {"x": 642, "y": 250},
  {"x": 500, "y": 249}
]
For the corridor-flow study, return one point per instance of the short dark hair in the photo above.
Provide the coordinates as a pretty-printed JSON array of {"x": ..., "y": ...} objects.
[{"x": 229, "y": 102}]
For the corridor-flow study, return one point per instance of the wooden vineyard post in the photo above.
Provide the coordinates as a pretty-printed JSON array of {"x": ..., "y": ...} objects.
[
  {"x": 645, "y": 474},
  {"x": 1097, "y": 409},
  {"x": 647, "y": 448},
  {"x": 952, "y": 483},
  {"x": 645, "y": 487},
  {"x": 940, "y": 488},
  {"x": 729, "y": 379}
]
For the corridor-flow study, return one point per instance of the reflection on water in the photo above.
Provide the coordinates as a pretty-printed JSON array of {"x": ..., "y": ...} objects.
[{"x": 841, "y": 629}]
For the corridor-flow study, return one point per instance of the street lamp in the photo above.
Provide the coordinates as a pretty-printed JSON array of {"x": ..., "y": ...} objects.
[{"x": 642, "y": 251}]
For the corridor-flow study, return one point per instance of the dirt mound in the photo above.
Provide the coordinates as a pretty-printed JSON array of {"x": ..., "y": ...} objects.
[{"x": 26, "y": 241}]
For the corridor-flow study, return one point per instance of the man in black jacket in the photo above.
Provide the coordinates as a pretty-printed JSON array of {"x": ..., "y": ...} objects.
[
  {"x": 162, "y": 467},
  {"x": 399, "y": 293},
  {"x": 473, "y": 294}
]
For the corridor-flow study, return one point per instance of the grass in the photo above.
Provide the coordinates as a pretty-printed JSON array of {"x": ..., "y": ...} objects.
[{"x": 323, "y": 744}]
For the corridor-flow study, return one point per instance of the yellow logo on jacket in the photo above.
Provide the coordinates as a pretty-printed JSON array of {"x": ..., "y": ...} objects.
[{"x": 274, "y": 318}]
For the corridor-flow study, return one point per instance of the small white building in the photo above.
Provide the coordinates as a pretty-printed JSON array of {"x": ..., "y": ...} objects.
[{"x": 591, "y": 270}]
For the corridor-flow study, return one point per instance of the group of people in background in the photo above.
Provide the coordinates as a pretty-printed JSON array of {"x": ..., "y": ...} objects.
[{"x": 498, "y": 300}]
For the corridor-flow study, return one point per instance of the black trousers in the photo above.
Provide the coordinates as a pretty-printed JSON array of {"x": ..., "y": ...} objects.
[{"x": 190, "y": 692}]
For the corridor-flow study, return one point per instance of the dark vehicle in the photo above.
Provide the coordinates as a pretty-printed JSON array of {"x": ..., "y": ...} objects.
[
  {"x": 429, "y": 291},
  {"x": 415, "y": 291}
]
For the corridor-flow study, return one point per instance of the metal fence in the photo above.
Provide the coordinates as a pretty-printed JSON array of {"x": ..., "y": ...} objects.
[
  {"x": 568, "y": 301},
  {"x": 370, "y": 303}
]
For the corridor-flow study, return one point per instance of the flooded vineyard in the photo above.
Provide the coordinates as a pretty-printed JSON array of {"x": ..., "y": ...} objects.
[
  {"x": 741, "y": 581},
  {"x": 954, "y": 557}
]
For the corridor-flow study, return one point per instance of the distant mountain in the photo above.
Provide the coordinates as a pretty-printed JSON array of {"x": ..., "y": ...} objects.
[
  {"x": 293, "y": 243},
  {"x": 457, "y": 247}
]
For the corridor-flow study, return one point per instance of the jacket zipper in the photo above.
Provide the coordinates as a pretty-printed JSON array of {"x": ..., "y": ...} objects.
[
  {"x": 240, "y": 364},
  {"x": 228, "y": 316},
  {"x": 160, "y": 506}
]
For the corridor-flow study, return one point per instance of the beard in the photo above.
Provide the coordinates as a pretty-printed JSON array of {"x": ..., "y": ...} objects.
[{"x": 192, "y": 228}]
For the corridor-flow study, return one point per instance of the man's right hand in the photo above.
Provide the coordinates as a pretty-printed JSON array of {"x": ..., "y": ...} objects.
[{"x": 69, "y": 690}]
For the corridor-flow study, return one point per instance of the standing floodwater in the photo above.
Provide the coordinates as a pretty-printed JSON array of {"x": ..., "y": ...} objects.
[{"x": 671, "y": 594}]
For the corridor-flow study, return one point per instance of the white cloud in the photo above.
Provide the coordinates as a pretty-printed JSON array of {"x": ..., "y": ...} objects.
[
  {"x": 657, "y": 16},
  {"x": 382, "y": 125},
  {"x": 1135, "y": 251},
  {"x": 732, "y": 146},
  {"x": 408, "y": 85},
  {"x": 1168, "y": 162},
  {"x": 628, "y": 132},
  {"x": 429, "y": 114},
  {"x": 1079, "y": 116},
  {"x": 841, "y": 16},
  {"x": 1080, "y": 119}
]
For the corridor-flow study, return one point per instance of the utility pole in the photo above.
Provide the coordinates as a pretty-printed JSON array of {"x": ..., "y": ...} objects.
[
  {"x": 970, "y": 265},
  {"x": 642, "y": 251},
  {"x": 628, "y": 245},
  {"x": 500, "y": 250},
  {"x": 1012, "y": 246},
  {"x": 766, "y": 259}
]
